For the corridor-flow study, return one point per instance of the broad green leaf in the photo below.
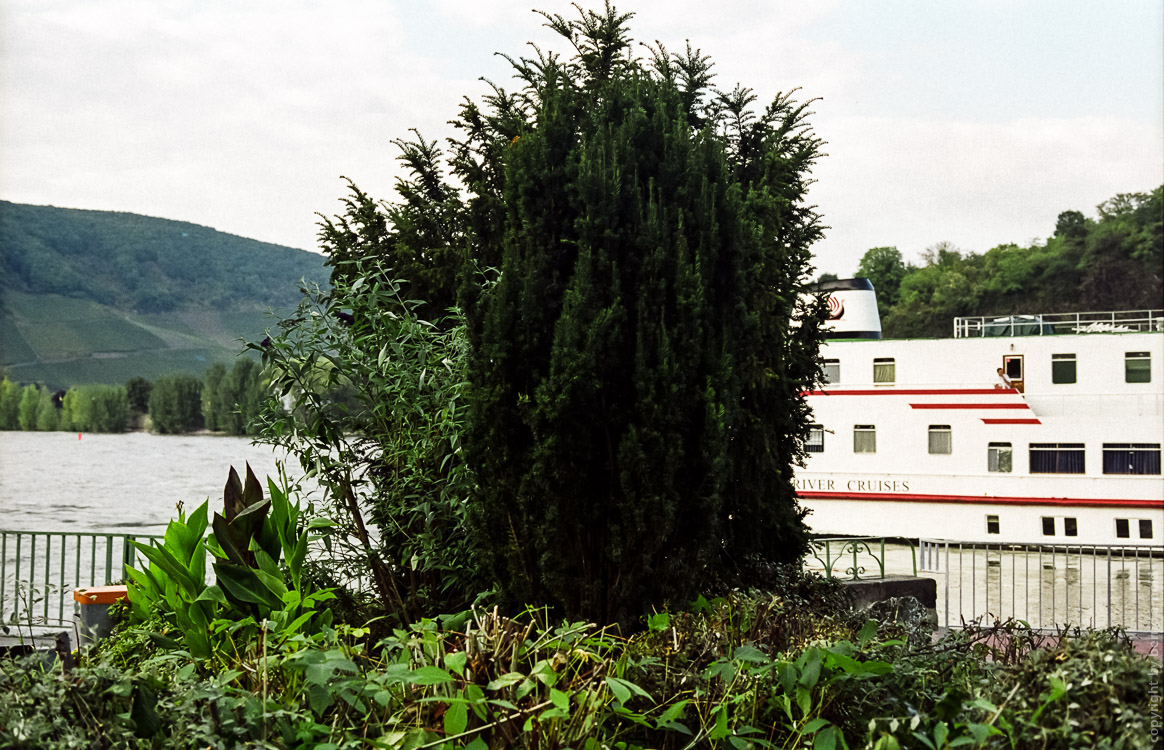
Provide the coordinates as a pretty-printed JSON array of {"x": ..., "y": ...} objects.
[
  {"x": 455, "y": 662},
  {"x": 826, "y": 739},
  {"x": 868, "y": 630},
  {"x": 456, "y": 719},
  {"x": 814, "y": 725},
  {"x": 431, "y": 676},
  {"x": 659, "y": 621},
  {"x": 750, "y": 654},
  {"x": 720, "y": 730},
  {"x": 505, "y": 680}
]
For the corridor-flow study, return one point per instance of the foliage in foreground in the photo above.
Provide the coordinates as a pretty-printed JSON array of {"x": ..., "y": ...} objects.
[{"x": 775, "y": 670}]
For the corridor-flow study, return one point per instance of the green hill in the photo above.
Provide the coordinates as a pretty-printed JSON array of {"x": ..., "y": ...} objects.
[{"x": 100, "y": 297}]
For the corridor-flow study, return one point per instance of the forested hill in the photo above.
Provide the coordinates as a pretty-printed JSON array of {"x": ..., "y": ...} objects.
[
  {"x": 143, "y": 264},
  {"x": 101, "y": 297},
  {"x": 1112, "y": 261}
]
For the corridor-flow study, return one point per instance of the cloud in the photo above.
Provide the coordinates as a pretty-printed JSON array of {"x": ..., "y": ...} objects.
[{"x": 911, "y": 183}]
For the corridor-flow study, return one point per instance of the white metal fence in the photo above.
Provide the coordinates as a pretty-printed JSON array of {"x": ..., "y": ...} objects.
[{"x": 1048, "y": 586}]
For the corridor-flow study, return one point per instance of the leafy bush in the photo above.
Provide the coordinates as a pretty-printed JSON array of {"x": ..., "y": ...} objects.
[
  {"x": 176, "y": 404},
  {"x": 390, "y": 448}
]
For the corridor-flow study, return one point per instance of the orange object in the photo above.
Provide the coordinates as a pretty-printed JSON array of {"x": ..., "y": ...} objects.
[{"x": 99, "y": 594}]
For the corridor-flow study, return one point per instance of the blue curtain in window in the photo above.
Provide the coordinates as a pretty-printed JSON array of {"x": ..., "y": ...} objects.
[
  {"x": 1131, "y": 461},
  {"x": 1057, "y": 461}
]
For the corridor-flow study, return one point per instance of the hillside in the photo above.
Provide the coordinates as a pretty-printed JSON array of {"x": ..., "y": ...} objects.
[{"x": 95, "y": 296}]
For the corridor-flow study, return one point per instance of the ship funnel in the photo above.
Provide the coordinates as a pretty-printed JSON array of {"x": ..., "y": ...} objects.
[{"x": 852, "y": 309}]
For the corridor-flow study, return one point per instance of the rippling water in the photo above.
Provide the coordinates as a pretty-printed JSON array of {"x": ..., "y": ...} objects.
[{"x": 130, "y": 483}]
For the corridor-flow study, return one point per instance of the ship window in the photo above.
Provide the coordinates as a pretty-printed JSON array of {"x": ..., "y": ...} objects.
[
  {"x": 999, "y": 457},
  {"x": 1070, "y": 527},
  {"x": 1122, "y": 531},
  {"x": 1138, "y": 367},
  {"x": 864, "y": 438},
  {"x": 1057, "y": 458},
  {"x": 832, "y": 371},
  {"x": 884, "y": 370},
  {"x": 1131, "y": 458},
  {"x": 1013, "y": 367},
  {"x": 941, "y": 439},
  {"x": 1062, "y": 368},
  {"x": 815, "y": 442},
  {"x": 1048, "y": 526},
  {"x": 1145, "y": 528},
  {"x": 992, "y": 524}
]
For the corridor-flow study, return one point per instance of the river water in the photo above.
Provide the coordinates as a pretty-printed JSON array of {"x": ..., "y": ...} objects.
[{"x": 129, "y": 483}]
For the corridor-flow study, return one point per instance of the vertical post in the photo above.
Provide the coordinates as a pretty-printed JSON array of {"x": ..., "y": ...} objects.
[
  {"x": 93, "y": 560},
  {"x": 61, "y": 593},
  {"x": 127, "y": 556},
  {"x": 3, "y": 569},
  {"x": 108, "y": 559},
  {"x": 48, "y": 554},
  {"x": 31, "y": 571},
  {"x": 1109, "y": 587}
]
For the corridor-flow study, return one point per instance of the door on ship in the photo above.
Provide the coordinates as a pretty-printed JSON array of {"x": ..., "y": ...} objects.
[{"x": 1012, "y": 365}]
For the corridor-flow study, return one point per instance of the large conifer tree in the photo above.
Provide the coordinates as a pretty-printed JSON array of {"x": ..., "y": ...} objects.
[{"x": 637, "y": 364}]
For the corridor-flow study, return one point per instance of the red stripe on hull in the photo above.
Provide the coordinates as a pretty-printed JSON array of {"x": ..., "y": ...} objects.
[
  {"x": 1010, "y": 421},
  {"x": 891, "y": 391},
  {"x": 1075, "y": 502},
  {"x": 969, "y": 406}
]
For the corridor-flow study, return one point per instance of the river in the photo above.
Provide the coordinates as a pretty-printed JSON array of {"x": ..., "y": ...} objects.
[{"x": 128, "y": 483}]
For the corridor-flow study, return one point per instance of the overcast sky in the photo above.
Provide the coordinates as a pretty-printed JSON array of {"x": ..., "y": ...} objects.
[{"x": 974, "y": 122}]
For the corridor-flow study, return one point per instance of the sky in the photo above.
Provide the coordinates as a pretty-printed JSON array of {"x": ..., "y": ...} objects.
[{"x": 973, "y": 122}]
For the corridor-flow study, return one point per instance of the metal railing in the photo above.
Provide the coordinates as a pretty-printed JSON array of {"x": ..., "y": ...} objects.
[
  {"x": 1047, "y": 586},
  {"x": 40, "y": 569},
  {"x": 1119, "y": 321},
  {"x": 857, "y": 551}
]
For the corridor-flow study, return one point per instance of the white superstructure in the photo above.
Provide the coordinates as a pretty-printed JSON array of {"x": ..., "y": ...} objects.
[{"x": 920, "y": 438}]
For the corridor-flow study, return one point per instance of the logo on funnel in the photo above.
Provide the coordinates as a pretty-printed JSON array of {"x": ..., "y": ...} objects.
[{"x": 836, "y": 308}]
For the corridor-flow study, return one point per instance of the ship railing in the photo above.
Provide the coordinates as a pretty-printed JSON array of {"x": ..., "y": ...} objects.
[
  {"x": 1050, "y": 587},
  {"x": 1045, "y": 324},
  {"x": 853, "y": 558},
  {"x": 40, "y": 569}
]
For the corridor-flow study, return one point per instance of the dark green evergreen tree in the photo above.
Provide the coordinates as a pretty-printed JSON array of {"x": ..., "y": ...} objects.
[
  {"x": 636, "y": 367},
  {"x": 137, "y": 391}
]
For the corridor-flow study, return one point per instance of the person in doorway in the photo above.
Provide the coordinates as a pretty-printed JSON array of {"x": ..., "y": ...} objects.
[{"x": 1002, "y": 382}]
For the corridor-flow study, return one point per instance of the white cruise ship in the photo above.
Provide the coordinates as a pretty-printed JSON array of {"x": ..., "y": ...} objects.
[{"x": 922, "y": 438}]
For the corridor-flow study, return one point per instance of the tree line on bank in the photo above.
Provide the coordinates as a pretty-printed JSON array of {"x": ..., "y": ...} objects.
[
  {"x": 1112, "y": 262},
  {"x": 222, "y": 401}
]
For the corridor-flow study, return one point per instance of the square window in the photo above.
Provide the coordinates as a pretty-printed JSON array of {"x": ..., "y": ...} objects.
[
  {"x": 1145, "y": 528},
  {"x": 999, "y": 457},
  {"x": 1138, "y": 367},
  {"x": 815, "y": 442},
  {"x": 941, "y": 439},
  {"x": 992, "y": 524},
  {"x": 1070, "y": 527},
  {"x": 864, "y": 438},
  {"x": 1048, "y": 526},
  {"x": 832, "y": 371},
  {"x": 884, "y": 370},
  {"x": 1122, "y": 531},
  {"x": 1062, "y": 368}
]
